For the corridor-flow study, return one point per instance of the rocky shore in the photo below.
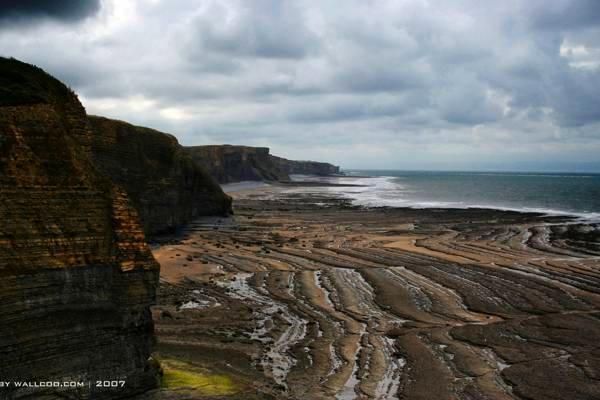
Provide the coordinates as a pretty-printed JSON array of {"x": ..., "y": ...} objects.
[{"x": 303, "y": 296}]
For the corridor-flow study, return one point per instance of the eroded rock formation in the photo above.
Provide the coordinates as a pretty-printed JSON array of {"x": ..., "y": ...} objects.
[
  {"x": 227, "y": 163},
  {"x": 167, "y": 187},
  {"x": 77, "y": 275},
  {"x": 334, "y": 301}
]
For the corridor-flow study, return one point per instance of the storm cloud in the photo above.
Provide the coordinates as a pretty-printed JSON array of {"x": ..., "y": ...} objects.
[
  {"x": 64, "y": 10},
  {"x": 381, "y": 84}
]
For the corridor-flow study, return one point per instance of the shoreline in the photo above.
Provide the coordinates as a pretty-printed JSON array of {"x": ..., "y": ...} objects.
[
  {"x": 254, "y": 187},
  {"x": 259, "y": 189},
  {"x": 302, "y": 295}
]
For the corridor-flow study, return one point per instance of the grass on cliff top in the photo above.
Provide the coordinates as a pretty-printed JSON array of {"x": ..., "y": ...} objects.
[
  {"x": 181, "y": 375},
  {"x": 25, "y": 84}
]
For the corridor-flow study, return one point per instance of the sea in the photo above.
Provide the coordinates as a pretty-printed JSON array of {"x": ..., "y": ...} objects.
[{"x": 575, "y": 194}]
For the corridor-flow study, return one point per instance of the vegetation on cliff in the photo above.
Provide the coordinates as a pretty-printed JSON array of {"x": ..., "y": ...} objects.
[
  {"x": 26, "y": 84},
  {"x": 179, "y": 375}
]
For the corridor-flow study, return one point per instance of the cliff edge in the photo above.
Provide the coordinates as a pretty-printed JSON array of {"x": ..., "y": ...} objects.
[{"x": 77, "y": 275}]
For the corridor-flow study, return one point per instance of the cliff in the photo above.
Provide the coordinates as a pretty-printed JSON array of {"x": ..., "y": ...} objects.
[
  {"x": 77, "y": 275},
  {"x": 166, "y": 186},
  {"x": 306, "y": 167},
  {"x": 227, "y": 163}
]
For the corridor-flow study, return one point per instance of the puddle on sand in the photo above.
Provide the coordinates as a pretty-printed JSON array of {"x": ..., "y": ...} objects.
[{"x": 276, "y": 359}]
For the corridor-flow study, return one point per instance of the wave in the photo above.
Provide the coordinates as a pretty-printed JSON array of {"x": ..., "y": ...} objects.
[{"x": 389, "y": 191}]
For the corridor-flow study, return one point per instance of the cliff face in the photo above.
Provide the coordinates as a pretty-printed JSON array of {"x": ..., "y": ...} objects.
[
  {"x": 166, "y": 186},
  {"x": 228, "y": 163},
  {"x": 306, "y": 167},
  {"x": 77, "y": 275}
]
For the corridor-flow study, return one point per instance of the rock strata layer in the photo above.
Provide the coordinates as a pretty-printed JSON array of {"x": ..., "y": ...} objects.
[
  {"x": 227, "y": 163},
  {"x": 77, "y": 275},
  {"x": 167, "y": 187}
]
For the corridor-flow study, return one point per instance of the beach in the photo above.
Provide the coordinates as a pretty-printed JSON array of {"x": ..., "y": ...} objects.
[{"x": 303, "y": 295}]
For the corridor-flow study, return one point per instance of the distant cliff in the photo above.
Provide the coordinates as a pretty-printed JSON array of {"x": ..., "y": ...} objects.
[
  {"x": 227, "y": 163},
  {"x": 306, "y": 167},
  {"x": 167, "y": 187},
  {"x": 77, "y": 275}
]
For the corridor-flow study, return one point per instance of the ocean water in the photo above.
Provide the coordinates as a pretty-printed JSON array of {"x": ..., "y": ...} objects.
[{"x": 551, "y": 193}]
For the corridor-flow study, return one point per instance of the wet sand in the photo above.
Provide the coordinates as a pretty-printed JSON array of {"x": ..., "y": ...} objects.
[{"x": 304, "y": 296}]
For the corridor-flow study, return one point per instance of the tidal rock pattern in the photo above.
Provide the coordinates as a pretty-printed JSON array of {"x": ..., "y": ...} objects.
[
  {"x": 166, "y": 186},
  {"x": 227, "y": 163},
  {"x": 77, "y": 277},
  {"x": 330, "y": 301}
]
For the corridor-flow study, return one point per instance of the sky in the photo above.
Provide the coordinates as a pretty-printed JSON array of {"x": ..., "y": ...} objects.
[{"x": 398, "y": 84}]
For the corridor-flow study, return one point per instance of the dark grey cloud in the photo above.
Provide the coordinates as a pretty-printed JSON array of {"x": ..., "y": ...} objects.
[
  {"x": 566, "y": 14},
  {"x": 65, "y": 10}
]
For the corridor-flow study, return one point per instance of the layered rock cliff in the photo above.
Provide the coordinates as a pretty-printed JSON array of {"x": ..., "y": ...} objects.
[
  {"x": 227, "y": 163},
  {"x": 77, "y": 275},
  {"x": 167, "y": 187}
]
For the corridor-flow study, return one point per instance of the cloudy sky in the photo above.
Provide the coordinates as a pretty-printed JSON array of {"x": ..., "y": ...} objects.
[{"x": 411, "y": 84}]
